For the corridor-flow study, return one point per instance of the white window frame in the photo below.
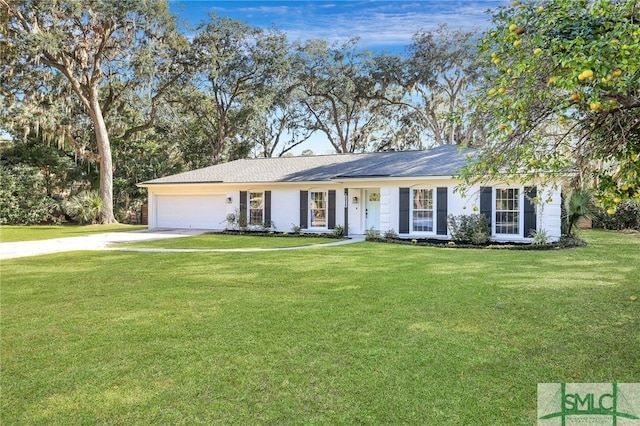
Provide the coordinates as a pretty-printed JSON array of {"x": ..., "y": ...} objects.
[
  {"x": 325, "y": 197},
  {"x": 519, "y": 211},
  {"x": 432, "y": 210},
  {"x": 252, "y": 195}
]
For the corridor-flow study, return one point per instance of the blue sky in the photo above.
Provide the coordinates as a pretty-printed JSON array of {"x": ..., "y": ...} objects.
[
  {"x": 386, "y": 25},
  {"x": 381, "y": 25}
]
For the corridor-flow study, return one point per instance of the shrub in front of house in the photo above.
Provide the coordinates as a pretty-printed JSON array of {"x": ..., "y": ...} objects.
[
  {"x": 472, "y": 228},
  {"x": 373, "y": 235},
  {"x": 338, "y": 231},
  {"x": 391, "y": 234}
]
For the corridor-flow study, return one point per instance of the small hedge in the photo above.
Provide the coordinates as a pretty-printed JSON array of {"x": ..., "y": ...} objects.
[
  {"x": 627, "y": 216},
  {"x": 472, "y": 228},
  {"x": 563, "y": 243}
]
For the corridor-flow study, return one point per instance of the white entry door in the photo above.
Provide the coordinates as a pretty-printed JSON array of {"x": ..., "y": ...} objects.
[{"x": 372, "y": 208}]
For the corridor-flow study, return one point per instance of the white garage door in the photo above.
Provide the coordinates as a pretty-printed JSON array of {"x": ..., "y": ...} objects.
[{"x": 190, "y": 211}]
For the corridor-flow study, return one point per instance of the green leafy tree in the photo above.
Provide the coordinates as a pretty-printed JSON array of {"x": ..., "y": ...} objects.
[
  {"x": 57, "y": 167},
  {"x": 139, "y": 160},
  {"x": 578, "y": 206},
  {"x": 237, "y": 73},
  {"x": 563, "y": 90},
  {"x": 23, "y": 196},
  {"x": 103, "y": 58},
  {"x": 342, "y": 95},
  {"x": 439, "y": 78},
  {"x": 279, "y": 127}
]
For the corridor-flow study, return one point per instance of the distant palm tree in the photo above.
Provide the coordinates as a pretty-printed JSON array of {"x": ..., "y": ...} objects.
[
  {"x": 85, "y": 207},
  {"x": 578, "y": 206}
]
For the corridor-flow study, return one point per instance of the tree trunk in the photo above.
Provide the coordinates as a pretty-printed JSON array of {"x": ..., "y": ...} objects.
[{"x": 106, "y": 163}]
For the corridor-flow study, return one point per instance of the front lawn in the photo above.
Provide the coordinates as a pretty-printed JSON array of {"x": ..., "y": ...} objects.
[
  {"x": 13, "y": 233},
  {"x": 225, "y": 241},
  {"x": 358, "y": 334}
]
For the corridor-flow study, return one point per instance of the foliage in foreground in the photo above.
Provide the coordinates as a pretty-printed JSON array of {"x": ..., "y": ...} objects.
[
  {"x": 563, "y": 88},
  {"x": 23, "y": 198},
  {"x": 626, "y": 216},
  {"x": 365, "y": 333}
]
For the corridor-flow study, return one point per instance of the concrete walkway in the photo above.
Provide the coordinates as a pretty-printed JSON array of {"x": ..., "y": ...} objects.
[
  {"x": 88, "y": 242},
  {"x": 106, "y": 240}
]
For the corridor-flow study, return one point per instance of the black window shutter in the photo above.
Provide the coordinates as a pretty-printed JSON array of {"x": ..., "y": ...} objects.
[
  {"x": 243, "y": 204},
  {"x": 304, "y": 206},
  {"x": 486, "y": 194},
  {"x": 404, "y": 211},
  {"x": 530, "y": 219},
  {"x": 331, "y": 222},
  {"x": 441, "y": 211},
  {"x": 267, "y": 207}
]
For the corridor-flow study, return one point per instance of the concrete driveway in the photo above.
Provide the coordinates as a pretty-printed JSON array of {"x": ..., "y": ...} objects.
[{"x": 88, "y": 242}]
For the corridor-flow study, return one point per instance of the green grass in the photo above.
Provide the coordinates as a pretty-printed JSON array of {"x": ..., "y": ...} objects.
[
  {"x": 225, "y": 241},
  {"x": 13, "y": 233},
  {"x": 359, "y": 334}
]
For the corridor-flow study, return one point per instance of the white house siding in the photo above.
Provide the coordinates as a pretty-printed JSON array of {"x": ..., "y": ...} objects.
[
  {"x": 393, "y": 194},
  {"x": 550, "y": 214},
  {"x": 356, "y": 224},
  {"x": 285, "y": 203},
  {"x": 285, "y": 209},
  {"x": 385, "y": 207},
  {"x": 455, "y": 203}
]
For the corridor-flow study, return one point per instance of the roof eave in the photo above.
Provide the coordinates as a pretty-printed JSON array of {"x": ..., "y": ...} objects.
[
  {"x": 151, "y": 183},
  {"x": 345, "y": 179},
  {"x": 393, "y": 178}
]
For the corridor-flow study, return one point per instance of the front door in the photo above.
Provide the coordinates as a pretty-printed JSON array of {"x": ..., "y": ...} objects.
[{"x": 372, "y": 208}]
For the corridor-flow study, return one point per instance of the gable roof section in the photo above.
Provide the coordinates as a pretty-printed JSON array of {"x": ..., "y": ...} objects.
[{"x": 441, "y": 161}]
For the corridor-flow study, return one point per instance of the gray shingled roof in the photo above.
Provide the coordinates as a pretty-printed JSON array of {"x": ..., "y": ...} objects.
[{"x": 441, "y": 161}]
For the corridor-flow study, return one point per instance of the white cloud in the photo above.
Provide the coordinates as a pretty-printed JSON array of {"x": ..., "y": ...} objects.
[
  {"x": 383, "y": 29},
  {"x": 378, "y": 23}
]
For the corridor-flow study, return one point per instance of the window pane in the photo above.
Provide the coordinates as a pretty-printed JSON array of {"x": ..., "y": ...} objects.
[
  {"x": 318, "y": 209},
  {"x": 256, "y": 200},
  {"x": 418, "y": 199},
  {"x": 256, "y": 217},
  {"x": 423, "y": 210},
  {"x": 318, "y": 200},
  {"x": 318, "y": 218},
  {"x": 422, "y": 199},
  {"x": 423, "y": 221},
  {"x": 256, "y": 208},
  {"x": 508, "y": 211}
]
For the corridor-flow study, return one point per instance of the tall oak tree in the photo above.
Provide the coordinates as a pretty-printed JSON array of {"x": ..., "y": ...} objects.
[{"x": 106, "y": 55}]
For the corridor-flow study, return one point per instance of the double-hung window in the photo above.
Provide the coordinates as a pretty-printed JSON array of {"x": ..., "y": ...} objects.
[
  {"x": 507, "y": 211},
  {"x": 256, "y": 208},
  {"x": 318, "y": 209},
  {"x": 422, "y": 212}
]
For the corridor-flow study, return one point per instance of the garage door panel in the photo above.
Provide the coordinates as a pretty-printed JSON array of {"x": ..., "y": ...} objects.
[{"x": 190, "y": 211}]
